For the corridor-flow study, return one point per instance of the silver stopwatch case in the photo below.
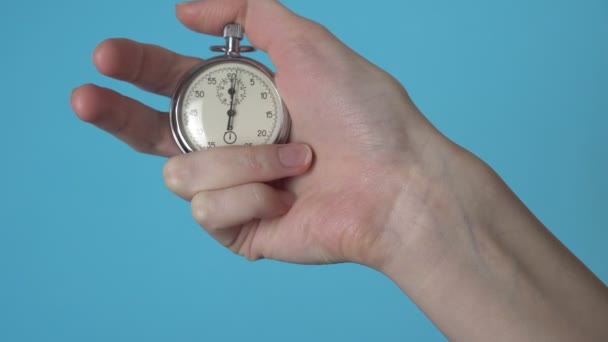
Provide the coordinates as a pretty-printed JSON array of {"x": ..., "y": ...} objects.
[{"x": 198, "y": 123}]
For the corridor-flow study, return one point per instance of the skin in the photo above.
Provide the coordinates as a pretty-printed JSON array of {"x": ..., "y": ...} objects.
[{"x": 365, "y": 179}]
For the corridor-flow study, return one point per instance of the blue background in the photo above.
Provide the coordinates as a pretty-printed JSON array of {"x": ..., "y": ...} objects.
[{"x": 94, "y": 248}]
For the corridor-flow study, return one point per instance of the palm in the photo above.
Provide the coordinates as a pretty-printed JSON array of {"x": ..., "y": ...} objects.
[{"x": 338, "y": 211}]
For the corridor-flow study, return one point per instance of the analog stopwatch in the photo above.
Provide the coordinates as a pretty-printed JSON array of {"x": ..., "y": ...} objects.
[{"x": 228, "y": 100}]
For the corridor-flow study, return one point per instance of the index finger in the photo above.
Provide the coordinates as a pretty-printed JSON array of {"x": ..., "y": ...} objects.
[{"x": 149, "y": 67}]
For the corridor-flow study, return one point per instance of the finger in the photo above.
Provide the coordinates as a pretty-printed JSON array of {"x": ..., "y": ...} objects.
[
  {"x": 227, "y": 209},
  {"x": 149, "y": 67},
  {"x": 141, "y": 127},
  {"x": 269, "y": 26},
  {"x": 225, "y": 167}
]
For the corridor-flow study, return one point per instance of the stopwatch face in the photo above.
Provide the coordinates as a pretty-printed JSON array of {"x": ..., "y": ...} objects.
[{"x": 228, "y": 102}]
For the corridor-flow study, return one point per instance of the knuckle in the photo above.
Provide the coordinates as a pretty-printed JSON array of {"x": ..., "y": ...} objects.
[
  {"x": 252, "y": 160},
  {"x": 143, "y": 148},
  {"x": 174, "y": 174},
  {"x": 311, "y": 32},
  {"x": 243, "y": 242},
  {"x": 201, "y": 210},
  {"x": 251, "y": 257},
  {"x": 257, "y": 193},
  {"x": 318, "y": 30}
]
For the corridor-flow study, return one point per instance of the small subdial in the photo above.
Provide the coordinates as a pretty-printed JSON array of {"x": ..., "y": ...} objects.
[{"x": 224, "y": 91}]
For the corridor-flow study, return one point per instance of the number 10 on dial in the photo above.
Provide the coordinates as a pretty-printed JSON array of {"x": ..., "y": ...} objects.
[{"x": 228, "y": 100}]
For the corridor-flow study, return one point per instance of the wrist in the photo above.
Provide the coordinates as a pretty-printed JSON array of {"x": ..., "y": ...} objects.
[
  {"x": 448, "y": 256},
  {"x": 479, "y": 264},
  {"x": 459, "y": 204},
  {"x": 450, "y": 194}
]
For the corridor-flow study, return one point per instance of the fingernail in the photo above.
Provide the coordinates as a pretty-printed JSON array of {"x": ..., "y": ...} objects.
[{"x": 294, "y": 155}]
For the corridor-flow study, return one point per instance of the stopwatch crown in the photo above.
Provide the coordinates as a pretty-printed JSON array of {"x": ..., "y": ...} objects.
[
  {"x": 233, "y": 31},
  {"x": 233, "y": 34}
]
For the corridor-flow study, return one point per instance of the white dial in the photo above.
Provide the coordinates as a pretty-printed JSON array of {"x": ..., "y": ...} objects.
[{"x": 228, "y": 102}]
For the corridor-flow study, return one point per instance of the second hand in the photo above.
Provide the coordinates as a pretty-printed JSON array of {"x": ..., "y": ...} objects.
[{"x": 231, "y": 111}]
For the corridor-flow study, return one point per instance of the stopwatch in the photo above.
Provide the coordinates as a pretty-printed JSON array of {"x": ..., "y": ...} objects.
[{"x": 228, "y": 100}]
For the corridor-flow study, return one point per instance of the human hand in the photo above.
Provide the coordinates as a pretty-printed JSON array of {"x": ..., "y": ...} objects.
[
  {"x": 370, "y": 143},
  {"x": 360, "y": 123},
  {"x": 366, "y": 179}
]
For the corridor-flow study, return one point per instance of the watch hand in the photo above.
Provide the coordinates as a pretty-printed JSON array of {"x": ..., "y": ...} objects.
[{"x": 231, "y": 112}]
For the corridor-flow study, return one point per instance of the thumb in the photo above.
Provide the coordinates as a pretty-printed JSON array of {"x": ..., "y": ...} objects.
[{"x": 269, "y": 25}]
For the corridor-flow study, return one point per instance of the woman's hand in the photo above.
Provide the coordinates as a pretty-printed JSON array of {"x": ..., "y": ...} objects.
[
  {"x": 358, "y": 142},
  {"x": 366, "y": 179}
]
